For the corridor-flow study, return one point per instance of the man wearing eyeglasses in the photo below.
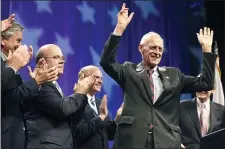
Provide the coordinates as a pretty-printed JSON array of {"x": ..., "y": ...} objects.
[
  {"x": 48, "y": 117},
  {"x": 150, "y": 116}
]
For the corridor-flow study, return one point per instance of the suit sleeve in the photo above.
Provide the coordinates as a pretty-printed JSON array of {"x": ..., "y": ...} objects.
[
  {"x": 6, "y": 74},
  {"x": 205, "y": 81},
  {"x": 111, "y": 129},
  {"x": 108, "y": 62},
  {"x": 25, "y": 91},
  {"x": 55, "y": 105},
  {"x": 85, "y": 129}
]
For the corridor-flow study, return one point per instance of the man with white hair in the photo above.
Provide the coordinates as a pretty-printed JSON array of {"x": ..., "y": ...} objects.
[{"x": 150, "y": 116}]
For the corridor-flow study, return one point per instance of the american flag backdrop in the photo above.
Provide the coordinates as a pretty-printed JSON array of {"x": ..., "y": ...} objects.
[{"x": 81, "y": 29}]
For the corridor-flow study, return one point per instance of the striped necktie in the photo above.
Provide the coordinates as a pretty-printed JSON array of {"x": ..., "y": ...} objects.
[{"x": 151, "y": 84}]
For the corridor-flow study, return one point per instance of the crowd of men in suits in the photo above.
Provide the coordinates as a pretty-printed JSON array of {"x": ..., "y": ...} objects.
[{"x": 36, "y": 113}]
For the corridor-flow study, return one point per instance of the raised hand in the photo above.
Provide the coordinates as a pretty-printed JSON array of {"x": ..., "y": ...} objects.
[
  {"x": 42, "y": 73},
  {"x": 84, "y": 84},
  {"x": 123, "y": 19},
  {"x": 19, "y": 58},
  {"x": 205, "y": 38},
  {"x": 5, "y": 24},
  {"x": 103, "y": 108}
]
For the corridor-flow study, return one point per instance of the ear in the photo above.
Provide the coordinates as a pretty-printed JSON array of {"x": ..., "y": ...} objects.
[
  {"x": 140, "y": 48},
  {"x": 2, "y": 42}
]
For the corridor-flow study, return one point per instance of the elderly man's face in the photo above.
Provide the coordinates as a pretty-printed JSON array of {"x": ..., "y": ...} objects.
[
  {"x": 151, "y": 50},
  {"x": 13, "y": 42},
  {"x": 98, "y": 80}
]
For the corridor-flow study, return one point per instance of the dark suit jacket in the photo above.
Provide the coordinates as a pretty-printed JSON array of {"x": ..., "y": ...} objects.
[
  {"x": 190, "y": 124},
  {"x": 13, "y": 93},
  {"x": 91, "y": 132},
  {"x": 139, "y": 113},
  {"x": 6, "y": 74},
  {"x": 48, "y": 118}
]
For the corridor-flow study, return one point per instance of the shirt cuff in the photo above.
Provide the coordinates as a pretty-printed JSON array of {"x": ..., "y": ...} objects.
[{"x": 116, "y": 34}]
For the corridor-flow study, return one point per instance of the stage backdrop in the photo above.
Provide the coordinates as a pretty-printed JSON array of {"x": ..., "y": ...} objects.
[{"x": 81, "y": 29}]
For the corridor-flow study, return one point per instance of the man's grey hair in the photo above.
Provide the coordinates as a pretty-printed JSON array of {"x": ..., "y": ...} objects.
[
  {"x": 147, "y": 36},
  {"x": 86, "y": 70},
  {"x": 11, "y": 30}
]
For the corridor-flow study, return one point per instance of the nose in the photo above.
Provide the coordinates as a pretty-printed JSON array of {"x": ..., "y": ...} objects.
[
  {"x": 19, "y": 44},
  {"x": 100, "y": 81},
  {"x": 62, "y": 61}
]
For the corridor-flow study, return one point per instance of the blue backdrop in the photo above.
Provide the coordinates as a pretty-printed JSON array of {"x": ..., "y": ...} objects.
[{"x": 81, "y": 28}]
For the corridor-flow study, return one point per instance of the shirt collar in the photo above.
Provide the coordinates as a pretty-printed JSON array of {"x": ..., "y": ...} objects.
[
  {"x": 91, "y": 97},
  {"x": 207, "y": 103},
  {"x": 155, "y": 71}
]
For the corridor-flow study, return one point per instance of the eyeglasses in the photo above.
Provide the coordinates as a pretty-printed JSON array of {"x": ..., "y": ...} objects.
[
  {"x": 57, "y": 57},
  {"x": 154, "y": 48}
]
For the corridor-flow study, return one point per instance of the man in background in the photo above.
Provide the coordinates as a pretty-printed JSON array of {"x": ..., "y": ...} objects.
[
  {"x": 93, "y": 126},
  {"x": 199, "y": 117}
]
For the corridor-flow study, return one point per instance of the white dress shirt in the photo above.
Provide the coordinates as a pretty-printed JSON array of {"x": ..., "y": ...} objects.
[
  {"x": 92, "y": 103},
  {"x": 158, "y": 86}
]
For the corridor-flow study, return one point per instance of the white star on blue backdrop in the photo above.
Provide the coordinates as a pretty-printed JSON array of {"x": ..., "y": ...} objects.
[
  {"x": 64, "y": 44},
  {"x": 43, "y": 6},
  {"x": 30, "y": 35},
  {"x": 146, "y": 8},
  {"x": 87, "y": 12},
  {"x": 113, "y": 14}
]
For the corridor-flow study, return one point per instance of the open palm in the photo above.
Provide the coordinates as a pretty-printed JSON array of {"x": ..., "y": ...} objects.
[{"x": 205, "y": 37}]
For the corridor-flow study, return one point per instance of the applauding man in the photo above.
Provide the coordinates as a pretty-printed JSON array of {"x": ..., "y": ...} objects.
[
  {"x": 93, "y": 127},
  {"x": 14, "y": 91}
]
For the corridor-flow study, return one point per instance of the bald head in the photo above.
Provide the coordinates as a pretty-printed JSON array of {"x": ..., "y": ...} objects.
[
  {"x": 46, "y": 50},
  {"x": 88, "y": 70},
  {"x": 53, "y": 56}
]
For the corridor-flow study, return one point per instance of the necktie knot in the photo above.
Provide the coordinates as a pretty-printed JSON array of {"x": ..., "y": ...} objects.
[
  {"x": 202, "y": 106},
  {"x": 92, "y": 101},
  {"x": 151, "y": 71}
]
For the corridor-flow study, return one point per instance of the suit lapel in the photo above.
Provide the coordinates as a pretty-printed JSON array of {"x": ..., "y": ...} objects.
[
  {"x": 212, "y": 117},
  {"x": 2, "y": 64},
  {"x": 145, "y": 80},
  {"x": 194, "y": 115},
  {"x": 53, "y": 85},
  {"x": 97, "y": 101}
]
